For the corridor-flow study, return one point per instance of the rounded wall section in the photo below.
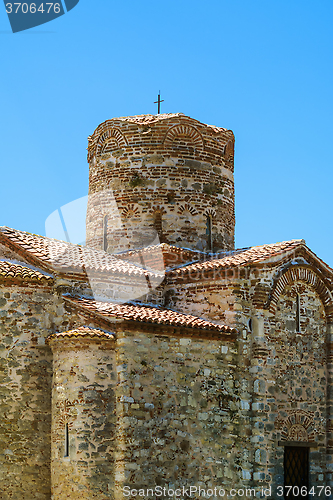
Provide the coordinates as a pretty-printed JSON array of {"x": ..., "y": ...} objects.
[
  {"x": 166, "y": 175},
  {"x": 83, "y": 418}
]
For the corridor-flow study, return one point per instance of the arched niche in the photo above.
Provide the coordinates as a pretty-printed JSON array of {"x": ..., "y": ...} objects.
[
  {"x": 306, "y": 275},
  {"x": 110, "y": 140},
  {"x": 181, "y": 136}
]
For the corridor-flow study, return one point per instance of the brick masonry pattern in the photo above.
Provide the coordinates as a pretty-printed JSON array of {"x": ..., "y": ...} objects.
[
  {"x": 236, "y": 357},
  {"x": 152, "y": 178}
]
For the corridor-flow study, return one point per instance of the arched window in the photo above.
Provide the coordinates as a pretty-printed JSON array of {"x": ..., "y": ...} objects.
[
  {"x": 105, "y": 233},
  {"x": 298, "y": 313},
  {"x": 158, "y": 224},
  {"x": 66, "y": 454},
  {"x": 209, "y": 233}
]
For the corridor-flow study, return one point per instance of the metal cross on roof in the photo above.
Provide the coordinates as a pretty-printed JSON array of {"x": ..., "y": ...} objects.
[{"x": 158, "y": 102}]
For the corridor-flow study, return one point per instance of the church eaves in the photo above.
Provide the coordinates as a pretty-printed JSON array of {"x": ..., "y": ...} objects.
[
  {"x": 148, "y": 314},
  {"x": 13, "y": 271},
  {"x": 64, "y": 257},
  {"x": 251, "y": 256},
  {"x": 82, "y": 332}
]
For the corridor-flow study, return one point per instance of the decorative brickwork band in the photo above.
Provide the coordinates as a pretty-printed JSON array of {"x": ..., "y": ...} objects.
[
  {"x": 171, "y": 169},
  {"x": 307, "y": 275},
  {"x": 187, "y": 209},
  {"x": 131, "y": 211},
  {"x": 106, "y": 133},
  {"x": 210, "y": 211},
  {"x": 183, "y": 133},
  {"x": 110, "y": 140},
  {"x": 259, "y": 351},
  {"x": 298, "y": 427}
]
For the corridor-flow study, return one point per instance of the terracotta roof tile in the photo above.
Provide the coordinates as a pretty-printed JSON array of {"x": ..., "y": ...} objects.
[
  {"x": 148, "y": 314},
  {"x": 82, "y": 331},
  {"x": 18, "y": 271},
  {"x": 240, "y": 257},
  {"x": 54, "y": 255},
  {"x": 67, "y": 257},
  {"x": 162, "y": 256}
]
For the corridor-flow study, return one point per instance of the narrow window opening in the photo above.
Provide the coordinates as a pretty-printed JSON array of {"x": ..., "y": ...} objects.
[
  {"x": 209, "y": 233},
  {"x": 105, "y": 233},
  {"x": 298, "y": 315},
  {"x": 250, "y": 324},
  {"x": 66, "y": 441},
  {"x": 158, "y": 224}
]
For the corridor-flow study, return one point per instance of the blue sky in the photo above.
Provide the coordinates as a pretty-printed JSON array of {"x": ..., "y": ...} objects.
[{"x": 261, "y": 68}]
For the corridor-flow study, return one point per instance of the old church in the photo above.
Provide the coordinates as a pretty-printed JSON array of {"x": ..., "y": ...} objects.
[{"x": 157, "y": 357}]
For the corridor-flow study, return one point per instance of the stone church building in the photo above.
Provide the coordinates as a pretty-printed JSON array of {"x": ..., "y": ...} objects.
[{"x": 158, "y": 357}]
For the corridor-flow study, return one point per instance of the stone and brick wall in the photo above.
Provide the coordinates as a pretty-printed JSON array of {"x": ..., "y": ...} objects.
[
  {"x": 83, "y": 411},
  {"x": 284, "y": 369},
  {"x": 290, "y": 384},
  {"x": 29, "y": 313},
  {"x": 160, "y": 178},
  {"x": 180, "y": 418},
  {"x": 26, "y": 317},
  {"x": 155, "y": 403}
]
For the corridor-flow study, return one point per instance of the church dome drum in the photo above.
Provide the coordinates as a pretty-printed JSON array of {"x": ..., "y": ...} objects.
[{"x": 160, "y": 178}]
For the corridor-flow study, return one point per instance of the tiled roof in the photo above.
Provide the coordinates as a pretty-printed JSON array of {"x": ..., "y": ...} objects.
[
  {"x": 67, "y": 257},
  {"x": 150, "y": 262},
  {"x": 148, "y": 314},
  {"x": 82, "y": 331},
  {"x": 241, "y": 257},
  {"x": 17, "y": 271}
]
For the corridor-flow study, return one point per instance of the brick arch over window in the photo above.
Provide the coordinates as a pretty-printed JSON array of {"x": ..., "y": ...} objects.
[
  {"x": 187, "y": 208},
  {"x": 308, "y": 276},
  {"x": 131, "y": 211},
  {"x": 110, "y": 140},
  {"x": 185, "y": 133},
  {"x": 210, "y": 211},
  {"x": 298, "y": 426}
]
